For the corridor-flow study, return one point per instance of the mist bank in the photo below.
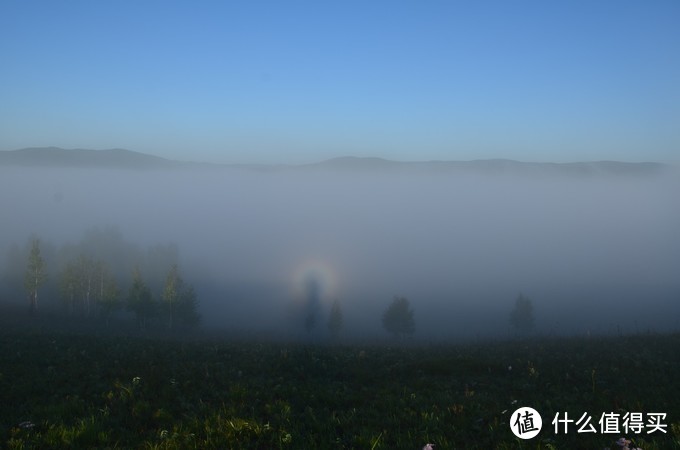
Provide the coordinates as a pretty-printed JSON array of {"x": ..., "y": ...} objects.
[{"x": 459, "y": 246}]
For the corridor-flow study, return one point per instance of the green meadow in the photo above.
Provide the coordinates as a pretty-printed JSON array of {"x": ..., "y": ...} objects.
[{"x": 60, "y": 389}]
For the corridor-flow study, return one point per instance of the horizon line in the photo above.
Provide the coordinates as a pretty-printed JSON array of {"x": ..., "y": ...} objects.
[{"x": 345, "y": 157}]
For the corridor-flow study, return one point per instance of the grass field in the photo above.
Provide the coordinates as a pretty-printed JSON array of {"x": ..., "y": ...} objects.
[{"x": 66, "y": 390}]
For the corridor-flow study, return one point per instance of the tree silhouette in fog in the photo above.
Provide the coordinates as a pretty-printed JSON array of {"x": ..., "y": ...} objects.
[
  {"x": 522, "y": 315},
  {"x": 108, "y": 294},
  {"x": 178, "y": 302},
  {"x": 35, "y": 274},
  {"x": 398, "y": 317},
  {"x": 187, "y": 308},
  {"x": 87, "y": 284},
  {"x": 140, "y": 301}
]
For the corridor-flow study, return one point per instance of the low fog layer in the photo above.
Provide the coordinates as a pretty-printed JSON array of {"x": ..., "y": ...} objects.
[{"x": 596, "y": 253}]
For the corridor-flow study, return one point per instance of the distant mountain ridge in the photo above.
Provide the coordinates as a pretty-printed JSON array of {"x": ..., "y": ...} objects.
[
  {"x": 494, "y": 166},
  {"x": 121, "y": 158},
  {"x": 59, "y": 157}
]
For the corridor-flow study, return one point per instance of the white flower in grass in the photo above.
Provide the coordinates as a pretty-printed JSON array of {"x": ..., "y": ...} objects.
[
  {"x": 622, "y": 442},
  {"x": 428, "y": 447}
]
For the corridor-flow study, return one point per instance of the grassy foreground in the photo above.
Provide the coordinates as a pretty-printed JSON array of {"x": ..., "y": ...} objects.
[{"x": 61, "y": 390}]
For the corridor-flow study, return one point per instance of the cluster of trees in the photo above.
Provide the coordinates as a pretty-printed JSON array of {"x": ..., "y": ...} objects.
[
  {"x": 89, "y": 288},
  {"x": 177, "y": 306},
  {"x": 88, "y": 277},
  {"x": 398, "y": 318},
  {"x": 87, "y": 285}
]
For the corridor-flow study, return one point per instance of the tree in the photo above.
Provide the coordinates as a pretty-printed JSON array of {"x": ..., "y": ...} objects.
[
  {"x": 140, "y": 301},
  {"x": 107, "y": 292},
  {"x": 171, "y": 295},
  {"x": 108, "y": 244},
  {"x": 86, "y": 284},
  {"x": 398, "y": 317},
  {"x": 157, "y": 262},
  {"x": 35, "y": 274},
  {"x": 77, "y": 284},
  {"x": 179, "y": 302},
  {"x": 522, "y": 316},
  {"x": 335, "y": 319},
  {"x": 69, "y": 287},
  {"x": 85, "y": 271},
  {"x": 187, "y": 308}
]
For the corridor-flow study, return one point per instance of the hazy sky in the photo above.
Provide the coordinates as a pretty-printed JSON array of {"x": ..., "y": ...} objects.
[{"x": 299, "y": 82}]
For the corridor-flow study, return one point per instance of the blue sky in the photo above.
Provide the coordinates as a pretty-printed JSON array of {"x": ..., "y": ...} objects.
[{"x": 296, "y": 82}]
